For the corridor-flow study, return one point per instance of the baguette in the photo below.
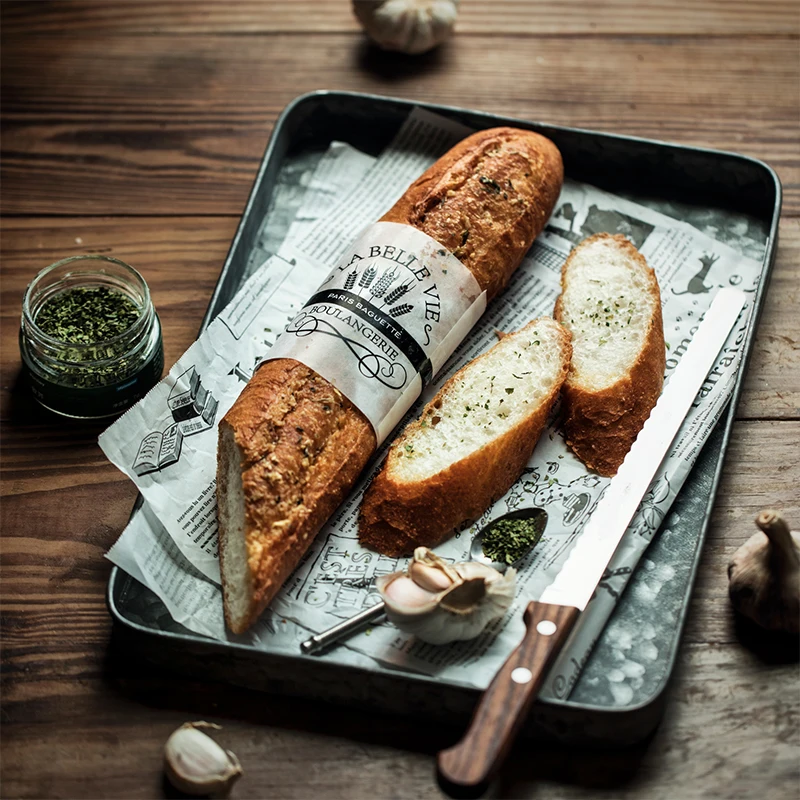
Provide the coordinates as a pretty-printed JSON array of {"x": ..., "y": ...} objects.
[
  {"x": 292, "y": 445},
  {"x": 470, "y": 444},
  {"x": 611, "y": 304}
]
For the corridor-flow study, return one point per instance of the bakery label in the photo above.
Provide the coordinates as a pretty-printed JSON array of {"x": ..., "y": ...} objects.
[{"x": 385, "y": 320}]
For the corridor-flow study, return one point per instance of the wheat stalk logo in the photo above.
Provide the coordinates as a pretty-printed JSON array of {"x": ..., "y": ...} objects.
[
  {"x": 350, "y": 280},
  {"x": 378, "y": 290},
  {"x": 396, "y": 294},
  {"x": 367, "y": 277},
  {"x": 382, "y": 284},
  {"x": 398, "y": 311}
]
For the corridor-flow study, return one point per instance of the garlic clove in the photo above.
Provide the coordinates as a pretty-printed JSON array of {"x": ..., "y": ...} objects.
[
  {"x": 464, "y": 597},
  {"x": 196, "y": 764},
  {"x": 408, "y": 26},
  {"x": 476, "y": 595},
  {"x": 475, "y": 569},
  {"x": 430, "y": 577},
  {"x": 400, "y": 592}
]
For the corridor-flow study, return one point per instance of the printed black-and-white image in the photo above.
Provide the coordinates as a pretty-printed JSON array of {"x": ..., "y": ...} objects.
[
  {"x": 193, "y": 409},
  {"x": 608, "y": 577},
  {"x": 653, "y": 506},
  {"x": 598, "y": 220},
  {"x": 540, "y": 487},
  {"x": 697, "y": 283},
  {"x": 244, "y": 373}
]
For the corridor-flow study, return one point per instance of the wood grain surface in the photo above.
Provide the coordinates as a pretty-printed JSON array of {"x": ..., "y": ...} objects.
[
  {"x": 500, "y": 17},
  {"x": 135, "y": 129},
  {"x": 177, "y": 124}
]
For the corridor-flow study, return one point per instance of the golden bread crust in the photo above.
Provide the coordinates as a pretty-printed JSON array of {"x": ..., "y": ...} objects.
[
  {"x": 303, "y": 445},
  {"x": 601, "y": 426},
  {"x": 498, "y": 185},
  {"x": 486, "y": 200}
]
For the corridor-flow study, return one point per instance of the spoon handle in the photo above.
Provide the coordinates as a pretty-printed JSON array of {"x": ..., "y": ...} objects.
[
  {"x": 321, "y": 640},
  {"x": 469, "y": 765}
]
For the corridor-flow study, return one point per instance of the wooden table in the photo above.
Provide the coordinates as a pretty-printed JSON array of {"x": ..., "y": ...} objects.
[{"x": 135, "y": 128}]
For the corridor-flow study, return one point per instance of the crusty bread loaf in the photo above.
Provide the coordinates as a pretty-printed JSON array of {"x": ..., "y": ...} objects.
[
  {"x": 611, "y": 304},
  {"x": 470, "y": 443},
  {"x": 292, "y": 446},
  {"x": 287, "y": 455}
]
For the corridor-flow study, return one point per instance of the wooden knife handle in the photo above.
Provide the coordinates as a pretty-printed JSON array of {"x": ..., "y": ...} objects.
[{"x": 466, "y": 768}]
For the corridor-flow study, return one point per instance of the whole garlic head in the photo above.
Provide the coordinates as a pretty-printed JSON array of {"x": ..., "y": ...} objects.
[
  {"x": 408, "y": 26},
  {"x": 196, "y": 764},
  {"x": 764, "y": 575},
  {"x": 440, "y": 602}
]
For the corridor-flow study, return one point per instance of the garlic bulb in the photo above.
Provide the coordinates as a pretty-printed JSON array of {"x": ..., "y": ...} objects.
[
  {"x": 410, "y": 26},
  {"x": 440, "y": 602},
  {"x": 196, "y": 764},
  {"x": 764, "y": 575}
]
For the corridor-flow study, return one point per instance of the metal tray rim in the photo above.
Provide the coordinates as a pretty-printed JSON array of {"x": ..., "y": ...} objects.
[
  {"x": 768, "y": 260},
  {"x": 624, "y": 137}
]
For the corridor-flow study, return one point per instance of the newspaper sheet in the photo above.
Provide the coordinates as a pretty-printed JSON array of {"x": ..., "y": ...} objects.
[{"x": 177, "y": 556}]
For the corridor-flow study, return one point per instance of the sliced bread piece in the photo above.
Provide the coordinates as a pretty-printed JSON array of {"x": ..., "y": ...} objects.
[
  {"x": 611, "y": 304},
  {"x": 470, "y": 444}
]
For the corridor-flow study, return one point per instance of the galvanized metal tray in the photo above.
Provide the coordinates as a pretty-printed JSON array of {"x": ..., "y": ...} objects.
[{"x": 688, "y": 183}]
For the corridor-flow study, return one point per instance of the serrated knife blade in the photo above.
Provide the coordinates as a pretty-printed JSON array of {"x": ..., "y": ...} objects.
[
  {"x": 576, "y": 581},
  {"x": 471, "y": 763}
]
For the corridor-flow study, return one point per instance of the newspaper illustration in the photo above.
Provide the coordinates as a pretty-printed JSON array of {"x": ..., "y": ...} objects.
[
  {"x": 336, "y": 577},
  {"x": 193, "y": 410}
]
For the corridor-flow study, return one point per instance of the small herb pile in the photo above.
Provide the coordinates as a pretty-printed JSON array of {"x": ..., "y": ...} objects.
[
  {"x": 87, "y": 315},
  {"x": 86, "y": 319},
  {"x": 509, "y": 539}
]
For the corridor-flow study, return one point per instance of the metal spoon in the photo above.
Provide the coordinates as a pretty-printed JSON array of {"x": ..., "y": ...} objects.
[
  {"x": 539, "y": 515},
  {"x": 322, "y": 640}
]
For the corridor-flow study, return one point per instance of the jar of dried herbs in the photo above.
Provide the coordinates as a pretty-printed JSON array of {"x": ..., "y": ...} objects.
[{"x": 90, "y": 337}]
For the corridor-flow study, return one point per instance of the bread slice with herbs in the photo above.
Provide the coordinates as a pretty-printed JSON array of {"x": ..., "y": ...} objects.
[
  {"x": 611, "y": 304},
  {"x": 470, "y": 443}
]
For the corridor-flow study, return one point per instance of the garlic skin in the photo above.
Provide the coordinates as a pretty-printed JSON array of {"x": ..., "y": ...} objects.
[
  {"x": 440, "y": 602},
  {"x": 764, "y": 575},
  {"x": 196, "y": 764},
  {"x": 407, "y": 26}
]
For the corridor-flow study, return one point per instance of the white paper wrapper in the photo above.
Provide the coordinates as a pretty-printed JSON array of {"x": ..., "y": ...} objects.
[{"x": 377, "y": 328}]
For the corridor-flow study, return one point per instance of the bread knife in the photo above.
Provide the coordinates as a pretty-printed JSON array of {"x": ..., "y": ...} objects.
[{"x": 466, "y": 768}]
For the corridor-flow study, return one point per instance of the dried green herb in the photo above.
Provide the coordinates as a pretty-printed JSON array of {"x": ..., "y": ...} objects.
[
  {"x": 87, "y": 315},
  {"x": 87, "y": 319},
  {"x": 491, "y": 184},
  {"x": 509, "y": 539}
]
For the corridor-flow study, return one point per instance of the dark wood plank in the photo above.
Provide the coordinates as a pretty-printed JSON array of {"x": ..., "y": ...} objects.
[
  {"x": 177, "y": 125},
  {"x": 327, "y": 753},
  {"x": 771, "y": 387},
  {"x": 500, "y": 17}
]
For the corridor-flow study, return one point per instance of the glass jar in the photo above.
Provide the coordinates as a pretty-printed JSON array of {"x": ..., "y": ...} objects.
[{"x": 102, "y": 375}]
